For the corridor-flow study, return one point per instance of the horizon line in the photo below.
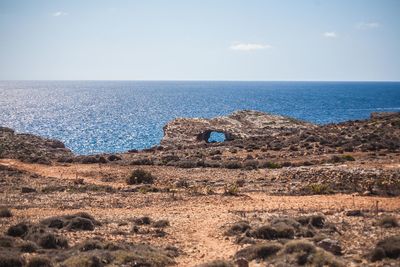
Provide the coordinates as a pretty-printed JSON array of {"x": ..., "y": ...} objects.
[{"x": 182, "y": 80}]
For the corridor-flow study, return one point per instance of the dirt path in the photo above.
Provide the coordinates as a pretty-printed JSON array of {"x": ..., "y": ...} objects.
[{"x": 71, "y": 172}]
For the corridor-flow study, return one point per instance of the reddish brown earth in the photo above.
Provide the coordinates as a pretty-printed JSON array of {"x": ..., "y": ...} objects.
[{"x": 197, "y": 221}]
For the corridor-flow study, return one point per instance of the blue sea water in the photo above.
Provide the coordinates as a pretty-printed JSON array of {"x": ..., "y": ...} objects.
[{"x": 111, "y": 116}]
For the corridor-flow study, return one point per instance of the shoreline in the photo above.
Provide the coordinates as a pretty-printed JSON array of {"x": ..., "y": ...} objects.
[{"x": 278, "y": 183}]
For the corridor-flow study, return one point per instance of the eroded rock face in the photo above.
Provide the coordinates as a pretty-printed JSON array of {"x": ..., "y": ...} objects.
[
  {"x": 30, "y": 148},
  {"x": 239, "y": 125}
]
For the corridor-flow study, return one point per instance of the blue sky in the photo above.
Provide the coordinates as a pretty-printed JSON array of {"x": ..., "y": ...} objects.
[{"x": 200, "y": 40}]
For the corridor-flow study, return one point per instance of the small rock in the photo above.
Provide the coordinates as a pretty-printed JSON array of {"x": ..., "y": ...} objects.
[{"x": 367, "y": 193}]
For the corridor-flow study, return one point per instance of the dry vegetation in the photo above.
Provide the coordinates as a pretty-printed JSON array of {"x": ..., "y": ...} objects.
[{"x": 243, "y": 204}]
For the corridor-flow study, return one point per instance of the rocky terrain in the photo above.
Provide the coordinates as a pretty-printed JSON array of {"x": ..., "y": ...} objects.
[
  {"x": 239, "y": 125},
  {"x": 30, "y": 148},
  {"x": 277, "y": 192}
]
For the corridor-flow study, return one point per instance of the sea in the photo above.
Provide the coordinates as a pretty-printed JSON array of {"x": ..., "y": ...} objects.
[{"x": 114, "y": 116}]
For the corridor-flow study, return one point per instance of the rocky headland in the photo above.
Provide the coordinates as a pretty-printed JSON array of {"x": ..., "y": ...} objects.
[{"x": 277, "y": 192}]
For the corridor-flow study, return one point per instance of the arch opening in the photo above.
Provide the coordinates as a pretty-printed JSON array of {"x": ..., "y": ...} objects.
[{"x": 216, "y": 137}]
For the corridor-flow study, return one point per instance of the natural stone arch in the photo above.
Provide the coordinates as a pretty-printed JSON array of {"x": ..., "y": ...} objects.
[{"x": 205, "y": 136}]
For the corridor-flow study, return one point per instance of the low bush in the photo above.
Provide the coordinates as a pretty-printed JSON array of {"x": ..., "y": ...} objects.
[
  {"x": 140, "y": 176},
  {"x": 217, "y": 263},
  {"x": 336, "y": 159},
  {"x": 26, "y": 190},
  {"x": 317, "y": 221},
  {"x": 387, "y": 248},
  {"x": 18, "y": 230},
  {"x": 233, "y": 165},
  {"x": 161, "y": 223},
  {"x": 251, "y": 164},
  {"x": 388, "y": 221},
  {"x": 279, "y": 230},
  {"x": 182, "y": 183},
  {"x": 231, "y": 190},
  {"x": 188, "y": 164},
  {"x": 238, "y": 228},
  {"x": 39, "y": 261},
  {"x": 90, "y": 244},
  {"x": 354, "y": 213},
  {"x": 80, "y": 223},
  {"x": 52, "y": 241},
  {"x": 11, "y": 260},
  {"x": 28, "y": 247},
  {"x": 240, "y": 182},
  {"x": 302, "y": 249},
  {"x": 5, "y": 213},
  {"x": 270, "y": 165},
  {"x": 142, "y": 220},
  {"x": 6, "y": 242},
  {"x": 318, "y": 189},
  {"x": 259, "y": 251},
  {"x": 142, "y": 161},
  {"x": 114, "y": 158},
  {"x": 299, "y": 246},
  {"x": 348, "y": 158}
]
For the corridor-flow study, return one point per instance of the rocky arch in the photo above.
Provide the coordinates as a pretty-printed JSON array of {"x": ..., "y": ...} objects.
[
  {"x": 205, "y": 136},
  {"x": 239, "y": 125}
]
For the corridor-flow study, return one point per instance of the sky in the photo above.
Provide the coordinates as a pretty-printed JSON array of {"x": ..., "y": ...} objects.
[{"x": 281, "y": 40}]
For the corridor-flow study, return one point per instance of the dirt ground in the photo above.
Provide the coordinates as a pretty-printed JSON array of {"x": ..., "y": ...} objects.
[{"x": 198, "y": 215}]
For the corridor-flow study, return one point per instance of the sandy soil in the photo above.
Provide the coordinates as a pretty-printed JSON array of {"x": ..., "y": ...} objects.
[{"x": 198, "y": 222}]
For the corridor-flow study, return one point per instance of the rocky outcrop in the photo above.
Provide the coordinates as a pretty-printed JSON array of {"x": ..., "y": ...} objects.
[
  {"x": 252, "y": 129},
  {"x": 30, "y": 148},
  {"x": 239, "y": 125}
]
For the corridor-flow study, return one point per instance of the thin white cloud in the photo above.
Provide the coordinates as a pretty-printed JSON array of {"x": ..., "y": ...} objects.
[
  {"x": 249, "y": 46},
  {"x": 330, "y": 34},
  {"x": 59, "y": 13},
  {"x": 368, "y": 25}
]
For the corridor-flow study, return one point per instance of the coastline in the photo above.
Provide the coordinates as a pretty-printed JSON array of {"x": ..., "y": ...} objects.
[{"x": 346, "y": 174}]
